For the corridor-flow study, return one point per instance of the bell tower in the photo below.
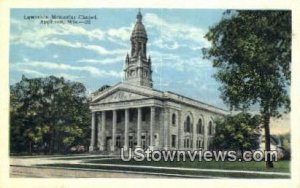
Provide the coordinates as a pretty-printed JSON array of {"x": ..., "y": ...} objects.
[{"x": 137, "y": 69}]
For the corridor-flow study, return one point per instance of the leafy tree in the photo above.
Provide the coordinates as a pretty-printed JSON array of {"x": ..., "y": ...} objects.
[
  {"x": 251, "y": 51},
  {"x": 50, "y": 113},
  {"x": 239, "y": 132},
  {"x": 104, "y": 87}
]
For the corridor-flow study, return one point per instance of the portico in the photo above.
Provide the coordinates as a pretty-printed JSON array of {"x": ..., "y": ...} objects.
[{"x": 124, "y": 124}]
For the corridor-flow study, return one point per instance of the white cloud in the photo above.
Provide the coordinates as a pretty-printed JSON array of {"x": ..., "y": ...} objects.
[
  {"x": 34, "y": 36},
  {"x": 113, "y": 60},
  {"x": 31, "y": 31},
  {"x": 178, "y": 63},
  {"x": 166, "y": 43},
  {"x": 31, "y": 72},
  {"x": 35, "y": 73},
  {"x": 122, "y": 33},
  {"x": 175, "y": 35},
  {"x": 60, "y": 42},
  {"x": 65, "y": 67},
  {"x": 76, "y": 30},
  {"x": 69, "y": 76},
  {"x": 103, "y": 51}
]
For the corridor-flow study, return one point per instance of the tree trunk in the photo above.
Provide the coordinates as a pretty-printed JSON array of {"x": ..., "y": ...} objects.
[
  {"x": 51, "y": 141},
  {"x": 30, "y": 148},
  {"x": 266, "y": 122}
]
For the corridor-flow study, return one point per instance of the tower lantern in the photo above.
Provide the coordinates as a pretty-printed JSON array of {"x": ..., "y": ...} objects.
[{"x": 138, "y": 69}]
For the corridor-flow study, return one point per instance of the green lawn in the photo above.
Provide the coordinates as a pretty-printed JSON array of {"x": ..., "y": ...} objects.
[
  {"x": 280, "y": 166},
  {"x": 81, "y": 158},
  {"x": 212, "y": 174}
]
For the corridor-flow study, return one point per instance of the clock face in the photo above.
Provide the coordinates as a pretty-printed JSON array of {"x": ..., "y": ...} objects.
[
  {"x": 132, "y": 73},
  {"x": 145, "y": 74}
]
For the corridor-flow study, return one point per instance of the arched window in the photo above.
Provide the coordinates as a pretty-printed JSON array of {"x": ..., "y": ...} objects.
[
  {"x": 188, "y": 124},
  {"x": 144, "y": 49},
  {"x": 132, "y": 49},
  {"x": 174, "y": 119},
  {"x": 199, "y": 127},
  {"x": 210, "y": 128}
]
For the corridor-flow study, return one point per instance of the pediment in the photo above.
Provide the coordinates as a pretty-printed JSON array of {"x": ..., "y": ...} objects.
[{"x": 119, "y": 96}]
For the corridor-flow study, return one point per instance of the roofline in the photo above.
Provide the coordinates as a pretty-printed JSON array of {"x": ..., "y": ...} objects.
[
  {"x": 198, "y": 101},
  {"x": 164, "y": 96}
]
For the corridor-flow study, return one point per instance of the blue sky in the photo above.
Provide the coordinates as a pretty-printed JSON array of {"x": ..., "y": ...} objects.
[{"x": 94, "y": 54}]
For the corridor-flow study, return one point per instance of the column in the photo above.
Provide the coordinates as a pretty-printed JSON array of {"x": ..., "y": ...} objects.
[
  {"x": 98, "y": 122},
  {"x": 180, "y": 132},
  {"x": 161, "y": 128},
  {"x": 194, "y": 135},
  {"x": 126, "y": 129},
  {"x": 166, "y": 129},
  {"x": 152, "y": 123},
  {"x": 103, "y": 121},
  {"x": 205, "y": 136},
  {"x": 139, "y": 123},
  {"x": 114, "y": 124},
  {"x": 92, "y": 144}
]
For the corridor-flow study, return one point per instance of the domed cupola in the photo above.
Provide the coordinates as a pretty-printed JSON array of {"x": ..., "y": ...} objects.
[
  {"x": 138, "y": 38},
  {"x": 139, "y": 30}
]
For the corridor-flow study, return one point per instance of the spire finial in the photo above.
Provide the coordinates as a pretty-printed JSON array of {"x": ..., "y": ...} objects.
[{"x": 139, "y": 15}]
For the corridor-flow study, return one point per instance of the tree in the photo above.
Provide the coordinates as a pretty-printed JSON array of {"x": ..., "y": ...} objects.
[
  {"x": 239, "y": 132},
  {"x": 251, "y": 51},
  {"x": 50, "y": 114}
]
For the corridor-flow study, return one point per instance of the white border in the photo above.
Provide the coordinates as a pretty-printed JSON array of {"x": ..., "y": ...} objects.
[{"x": 7, "y": 182}]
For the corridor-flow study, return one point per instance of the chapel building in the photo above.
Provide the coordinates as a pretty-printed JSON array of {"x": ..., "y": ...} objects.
[{"x": 132, "y": 114}]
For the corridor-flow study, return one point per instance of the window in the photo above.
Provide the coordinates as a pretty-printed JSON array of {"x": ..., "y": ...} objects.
[
  {"x": 188, "y": 125},
  {"x": 155, "y": 139},
  {"x": 132, "y": 73},
  {"x": 119, "y": 117},
  {"x": 199, "y": 126},
  {"x": 143, "y": 114},
  {"x": 145, "y": 73},
  {"x": 130, "y": 141},
  {"x": 210, "y": 128},
  {"x": 118, "y": 141},
  {"x": 198, "y": 143},
  {"x": 133, "y": 48},
  {"x": 130, "y": 116},
  {"x": 188, "y": 122},
  {"x": 173, "y": 141},
  {"x": 174, "y": 119},
  {"x": 144, "y": 48}
]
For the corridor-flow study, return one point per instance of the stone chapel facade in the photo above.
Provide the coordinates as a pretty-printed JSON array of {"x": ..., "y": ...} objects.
[{"x": 132, "y": 114}]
